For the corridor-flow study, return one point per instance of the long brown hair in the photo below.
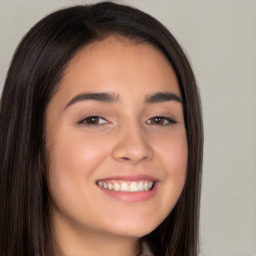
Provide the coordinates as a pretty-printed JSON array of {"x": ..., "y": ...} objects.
[{"x": 33, "y": 77}]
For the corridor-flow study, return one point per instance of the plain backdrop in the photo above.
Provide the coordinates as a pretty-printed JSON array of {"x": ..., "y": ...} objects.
[{"x": 219, "y": 37}]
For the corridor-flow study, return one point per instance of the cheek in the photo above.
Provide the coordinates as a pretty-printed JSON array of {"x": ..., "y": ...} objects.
[
  {"x": 176, "y": 157},
  {"x": 72, "y": 164},
  {"x": 77, "y": 155},
  {"x": 177, "y": 162},
  {"x": 173, "y": 154}
]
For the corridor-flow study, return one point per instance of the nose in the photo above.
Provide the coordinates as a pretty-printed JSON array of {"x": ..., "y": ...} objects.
[{"x": 132, "y": 146}]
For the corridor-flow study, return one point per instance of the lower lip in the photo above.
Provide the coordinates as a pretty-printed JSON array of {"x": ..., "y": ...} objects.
[{"x": 131, "y": 196}]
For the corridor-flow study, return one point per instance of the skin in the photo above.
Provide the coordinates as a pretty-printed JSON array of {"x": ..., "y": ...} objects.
[{"x": 125, "y": 142}]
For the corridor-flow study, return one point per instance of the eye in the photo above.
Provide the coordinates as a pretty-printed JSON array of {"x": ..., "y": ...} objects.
[
  {"x": 93, "y": 120},
  {"x": 161, "y": 120}
]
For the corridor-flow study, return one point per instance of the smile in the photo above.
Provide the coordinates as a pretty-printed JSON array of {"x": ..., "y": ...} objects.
[
  {"x": 126, "y": 186},
  {"x": 129, "y": 188}
]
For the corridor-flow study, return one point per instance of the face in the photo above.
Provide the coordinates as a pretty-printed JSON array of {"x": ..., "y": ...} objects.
[{"x": 116, "y": 140}]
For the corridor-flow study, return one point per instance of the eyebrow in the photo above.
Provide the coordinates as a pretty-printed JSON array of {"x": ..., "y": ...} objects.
[
  {"x": 102, "y": 97},
  {"x": 112, "y": 98},
  {"x": 163, "y": 97}
]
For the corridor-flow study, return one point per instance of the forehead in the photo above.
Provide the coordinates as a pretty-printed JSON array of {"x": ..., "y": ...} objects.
[{"x": 117, "y": 63}]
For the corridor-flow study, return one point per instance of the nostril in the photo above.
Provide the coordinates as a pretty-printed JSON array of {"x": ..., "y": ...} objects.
[{"x": 132, "y": 151}]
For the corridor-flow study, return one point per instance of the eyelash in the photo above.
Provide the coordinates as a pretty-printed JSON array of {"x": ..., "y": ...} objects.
[
  {"x": 159, "y": 120},
  {"x": 84, "y": 121},
  {"x": 166, "y": 121}
]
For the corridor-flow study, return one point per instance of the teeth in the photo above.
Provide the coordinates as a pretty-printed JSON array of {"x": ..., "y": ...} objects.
[
  {"x": 116, "y": 187},
  {"x": 126, "y": 186},
  {"x": 141, "y": 187},
  {"x": 134, "y": 187},
  {"x": 110, "y": 186}
]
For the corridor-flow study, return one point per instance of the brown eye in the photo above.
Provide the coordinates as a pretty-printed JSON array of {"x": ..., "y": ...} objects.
[
  {"x": 160, "y": 120},
  {"x": 157, "y": 120},
  {"x": 93, "y": 120}
]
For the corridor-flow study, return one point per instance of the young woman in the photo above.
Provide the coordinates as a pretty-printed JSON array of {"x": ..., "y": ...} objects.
[{"x": 101, "y": 139}]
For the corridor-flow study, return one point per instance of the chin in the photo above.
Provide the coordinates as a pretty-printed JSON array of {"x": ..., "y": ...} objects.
[{"x": 133, "y": 228}]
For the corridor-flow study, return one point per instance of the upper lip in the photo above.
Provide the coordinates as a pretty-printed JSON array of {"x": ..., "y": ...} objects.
[{"x": 132, "y": 178}]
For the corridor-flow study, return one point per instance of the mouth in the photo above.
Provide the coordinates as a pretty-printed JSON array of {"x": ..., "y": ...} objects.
[
  {"x": 129, "y": 189},
  {"x": 127, "y": 186}
]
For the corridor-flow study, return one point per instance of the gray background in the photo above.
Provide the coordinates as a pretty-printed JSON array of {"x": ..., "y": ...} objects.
[{"x": 219, "y": 38}]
